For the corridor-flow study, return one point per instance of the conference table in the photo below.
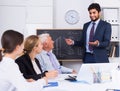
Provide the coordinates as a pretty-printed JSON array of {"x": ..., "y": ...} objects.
[{"x": 64, "y": 85}]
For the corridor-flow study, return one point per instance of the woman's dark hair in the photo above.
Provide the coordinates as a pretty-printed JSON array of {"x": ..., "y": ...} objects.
[
  {"x": 10, "y": 39},
  {"x": 0, "y": 55},
  {"x": 94, "y": 6}
]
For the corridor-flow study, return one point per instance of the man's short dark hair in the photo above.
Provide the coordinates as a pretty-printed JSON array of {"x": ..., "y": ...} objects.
[{"x": 94, "y": 6}]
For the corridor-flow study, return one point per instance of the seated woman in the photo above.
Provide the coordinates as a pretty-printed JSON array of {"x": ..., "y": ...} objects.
[
  {"x": 28, "y": 64},
  {"x": 11, "y": 79}
]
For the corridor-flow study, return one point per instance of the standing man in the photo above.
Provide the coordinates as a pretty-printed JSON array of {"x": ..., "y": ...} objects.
[
  {"x": 95, "y": 38},
  {"x": 47, "y": 59}
]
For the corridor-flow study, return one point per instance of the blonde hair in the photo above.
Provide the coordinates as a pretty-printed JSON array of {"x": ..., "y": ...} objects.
[{"x": 30, "y": 43}]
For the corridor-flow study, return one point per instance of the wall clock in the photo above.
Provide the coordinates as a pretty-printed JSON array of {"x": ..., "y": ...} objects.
[{"x": 72, "y": 17}]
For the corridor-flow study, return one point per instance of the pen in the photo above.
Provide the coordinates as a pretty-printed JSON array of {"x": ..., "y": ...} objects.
[
  {"x": 97, "y": 75},
  {"x": 74, "y": 77}
]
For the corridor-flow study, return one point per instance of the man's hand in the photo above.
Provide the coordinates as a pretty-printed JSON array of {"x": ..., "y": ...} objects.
[
  {"x": 95, "y": 43},
  {"x": 74, "y": 72},
  {"x": 69, "y": 41}
]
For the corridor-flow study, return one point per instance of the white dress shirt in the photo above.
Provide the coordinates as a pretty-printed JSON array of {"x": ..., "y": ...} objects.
[
  {"x": 88, "y": 33},
  {"x": 47, "y": 65},
  {"x": 36, "y": 68},
  {"x": 11, "y": 78}
]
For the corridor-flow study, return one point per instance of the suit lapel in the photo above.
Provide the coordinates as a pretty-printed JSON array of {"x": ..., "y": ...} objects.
[
  {"x": 28, "y": 60},
  {"x": 85, "y": 32},
  {"x": 30, "y": 63}
]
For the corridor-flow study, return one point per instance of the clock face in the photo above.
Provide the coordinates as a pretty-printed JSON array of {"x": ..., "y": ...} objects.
[{"x": 72, "y": 17}]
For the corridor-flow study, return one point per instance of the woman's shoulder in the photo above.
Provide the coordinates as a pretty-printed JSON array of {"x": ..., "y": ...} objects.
[{"x": 22, "y": 58}]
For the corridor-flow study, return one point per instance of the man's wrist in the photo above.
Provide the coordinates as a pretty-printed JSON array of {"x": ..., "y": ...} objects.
[
  {"x": 98, "y": 43},
  {"x": 73, "y": 42}
]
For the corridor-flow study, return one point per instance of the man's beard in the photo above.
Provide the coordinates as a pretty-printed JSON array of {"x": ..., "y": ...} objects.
[{"x": 95, "y": 19}]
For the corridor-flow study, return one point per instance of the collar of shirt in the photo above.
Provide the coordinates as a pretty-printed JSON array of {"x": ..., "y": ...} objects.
[
  {"x": 88, "y": 33},
  {"x": 45, "y": 52},
  {"x": 6, "y": 59},
  {"x": 96, "y": 23}
]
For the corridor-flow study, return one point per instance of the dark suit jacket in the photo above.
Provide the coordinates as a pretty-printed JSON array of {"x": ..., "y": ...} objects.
[
  {"x": 103, "y": 35},
  {"x": 26, "y": 67}
]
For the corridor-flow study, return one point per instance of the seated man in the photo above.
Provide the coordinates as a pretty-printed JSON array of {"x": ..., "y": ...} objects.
[{"x": 47, "y": 59}]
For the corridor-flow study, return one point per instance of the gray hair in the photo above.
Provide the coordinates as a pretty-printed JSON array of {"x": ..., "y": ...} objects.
[{"x": 43, "y": 37}]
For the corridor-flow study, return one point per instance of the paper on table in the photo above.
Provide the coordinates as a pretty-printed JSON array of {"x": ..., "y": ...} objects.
[{"x": 51, "y": 84}]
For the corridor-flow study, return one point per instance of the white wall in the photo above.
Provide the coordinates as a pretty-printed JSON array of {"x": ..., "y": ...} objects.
[
  {"x": 108, "y": 3},
  {"x": 12, "y": 15},
  {"x": 62, "y": 6},
  {"x": 39, "y": 15},
  {"x": 25, "y": 16}
]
